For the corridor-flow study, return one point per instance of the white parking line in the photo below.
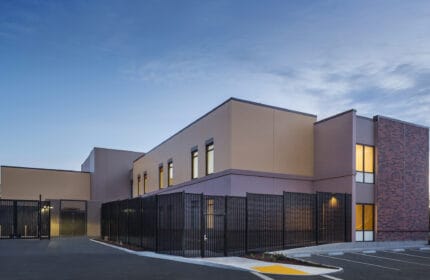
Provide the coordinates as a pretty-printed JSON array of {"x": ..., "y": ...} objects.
[
  {"x": 261, "y": 276},
  {"x": 421, "y": 257},
  {"x": 385, "y": 258},
  {"x": 420, "y": 250},
  {"x": 369, "y": 264},
  {"x": 330, "y": 277}
]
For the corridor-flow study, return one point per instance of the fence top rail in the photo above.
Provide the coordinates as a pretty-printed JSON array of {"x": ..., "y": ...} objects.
[{"x": 23, "y": 200}]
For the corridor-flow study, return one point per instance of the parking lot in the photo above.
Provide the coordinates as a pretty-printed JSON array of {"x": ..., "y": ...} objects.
[
  {"x": 388, "y": 264},
  {"x": 79, "y": 258}
]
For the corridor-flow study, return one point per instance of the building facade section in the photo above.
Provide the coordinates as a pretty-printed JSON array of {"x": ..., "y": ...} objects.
[
  {"x": 402, "y": 193},
  {"x": 110, "y": 172},
  {"x": 237, "y": 135}
]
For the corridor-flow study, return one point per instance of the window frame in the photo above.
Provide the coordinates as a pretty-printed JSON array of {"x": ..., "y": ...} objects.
[
  {"x": 364, "y": 164},
  {"x": 208, "y": 144},
  {"x": 169, "y": 170},
  {"x": 160, "y": 176},
  {"x": 139, "y": 179},
  {"x": 363, "y": 206},
  {"x": 196, "y": 153},
  {"x": 145, "y": 182}
]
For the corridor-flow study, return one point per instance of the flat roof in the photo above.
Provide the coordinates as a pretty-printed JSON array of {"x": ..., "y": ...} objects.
[
  {"x": 220, "y": 105},
  {"x": 42, "y": 169}
]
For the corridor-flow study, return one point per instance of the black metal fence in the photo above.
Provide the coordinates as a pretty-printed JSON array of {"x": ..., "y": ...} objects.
[
  {"x": 204, "y": 225},
  {"x": 24, "y": 219}
]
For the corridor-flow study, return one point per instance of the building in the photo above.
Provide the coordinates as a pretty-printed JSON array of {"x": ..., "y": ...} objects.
[
  {"x": 75, "y": 196},
  {"x": 242, "y": 147}
]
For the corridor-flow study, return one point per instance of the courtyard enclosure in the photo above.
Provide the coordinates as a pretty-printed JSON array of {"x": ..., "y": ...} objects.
[
  {"x": 24, "y": 219},
  {"x": 204, "y": 225}
]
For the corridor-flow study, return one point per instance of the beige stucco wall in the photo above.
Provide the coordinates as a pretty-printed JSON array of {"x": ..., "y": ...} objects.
[
  {"x": 215, "y": 125},
  {"x": 246, "y": 137},
  {"x": 28, "y": 183},
  {"x": 271, "y": 140}
]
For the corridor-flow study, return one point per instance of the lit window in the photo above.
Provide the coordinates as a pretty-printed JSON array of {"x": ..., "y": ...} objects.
[
  {"x": 364, "y": 222},
  {"x": 210, "y": 214},
  {"x": 364, "y": 164},
  {"x": 160, "y": 177},
  {"x": 170, "y": 173},
  {"x": 209, "y": 159},
  {"x": 194, "y": 164},
  {"x": 145, "y": 183}
]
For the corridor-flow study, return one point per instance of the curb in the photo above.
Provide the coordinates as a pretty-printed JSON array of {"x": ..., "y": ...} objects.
[{"x": 200, "y": 261}]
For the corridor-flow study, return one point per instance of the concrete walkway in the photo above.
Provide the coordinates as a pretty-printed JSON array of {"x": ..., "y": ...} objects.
[
  {"x": 237, "y": 263},
  {"x": 340, "y": 248}
]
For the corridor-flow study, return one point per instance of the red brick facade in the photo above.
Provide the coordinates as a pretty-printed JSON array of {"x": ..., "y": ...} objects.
[{"x": 402, "y": 186}]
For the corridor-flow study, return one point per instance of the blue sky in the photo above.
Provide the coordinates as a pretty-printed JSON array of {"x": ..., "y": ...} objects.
[{"x": 128, "y": 74}]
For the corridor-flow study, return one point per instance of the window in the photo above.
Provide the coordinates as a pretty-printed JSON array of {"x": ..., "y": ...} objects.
[
  {"x": 364, "y": 222},
  {"x": 145, "y": 183},
  {"x": 364, "y": 164},
  {"x": 160, "y": 176},
  {"x": 138, "y": 185},
  {"x": 209, "y": 158},
  {"x": 210, "y": 214},
  {"x": 170, "y": 173},
  {"x": 194, "y": 164}
]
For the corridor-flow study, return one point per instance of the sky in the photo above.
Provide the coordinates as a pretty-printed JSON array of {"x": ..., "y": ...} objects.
[{"x": 128, "y": 74}]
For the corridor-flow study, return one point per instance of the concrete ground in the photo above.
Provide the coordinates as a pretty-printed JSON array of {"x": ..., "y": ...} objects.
[
  {"x": 79, "y": 258},
  {"x": 411, "y": 263}
]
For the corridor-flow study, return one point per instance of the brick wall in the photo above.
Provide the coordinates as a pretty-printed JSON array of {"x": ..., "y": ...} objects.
[{"x": 402, "y": 187}]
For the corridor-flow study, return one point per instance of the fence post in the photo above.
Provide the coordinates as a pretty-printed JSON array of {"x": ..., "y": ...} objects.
[
  {"x": 39, "y": 217},
  {"x": 283, "y": 220},
  {"x": 345, "y": 218},
  {"x": 49, "y": 220},
  {"x": 246, "y": 224},
  {"x": 316, "y": 219},
  {"x": 202, "y": 227},
  {"x": 141, "y": 221},
  {"x": 156, "y": 223},
  {"x": 15, "y": 219},
  {"x": 225, "y": 225}
]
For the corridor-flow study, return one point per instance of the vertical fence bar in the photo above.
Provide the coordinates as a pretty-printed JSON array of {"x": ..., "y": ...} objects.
[
  {"x": 202, "y": 226},
  {"x": 156, "y": 223},
  {"x": 246, "y": 224},
  {"x": 225, "y": 225}
]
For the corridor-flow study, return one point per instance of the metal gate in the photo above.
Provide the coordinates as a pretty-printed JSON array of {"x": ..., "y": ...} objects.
[
  {"x": 214, "y": 226},
  {"x": 73, "y": 218},
  {"x": 24, "y": 219}
]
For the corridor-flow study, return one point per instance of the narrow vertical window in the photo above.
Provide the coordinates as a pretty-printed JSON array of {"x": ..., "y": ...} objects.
[
  {"x": 364, "y": 222},
  {"x": 170, "y": 173},
  {"x": 138, "y": 184},
  {"x": 364, "y": 164},
  {"x": 145, "y": 182},
  {"x": 209, "y": 158},
  {"x": 210, "y": 214},
  {"x": 160, "y": 177},
  {"x": 194, "y": 164}
]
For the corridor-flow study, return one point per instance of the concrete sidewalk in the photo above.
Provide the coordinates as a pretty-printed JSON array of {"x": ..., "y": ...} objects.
[
  {"x": 352, "y": 247},
  {"x": 236, "y": 263}
]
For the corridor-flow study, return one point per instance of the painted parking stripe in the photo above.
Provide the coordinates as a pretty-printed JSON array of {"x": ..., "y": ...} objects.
[
  {"x": 369, "y": 264},
  {"x": 261, "y": 276},
  {"x": 405, "y": 254},
  {"x": 330, "y": 277},
  {"x": 391, "y": 259}
]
